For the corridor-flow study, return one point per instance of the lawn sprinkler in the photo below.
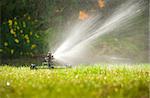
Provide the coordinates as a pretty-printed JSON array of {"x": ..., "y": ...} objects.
[{"x": 48, "y": 60}]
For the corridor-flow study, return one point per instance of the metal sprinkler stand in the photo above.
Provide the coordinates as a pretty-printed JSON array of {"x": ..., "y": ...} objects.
[{"x": 48, "y": 61}]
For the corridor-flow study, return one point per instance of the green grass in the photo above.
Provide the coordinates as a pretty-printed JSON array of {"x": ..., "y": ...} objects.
[{"x": 80, "y": 82}]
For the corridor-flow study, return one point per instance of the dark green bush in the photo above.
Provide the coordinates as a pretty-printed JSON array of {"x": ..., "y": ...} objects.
[{"x": 19, "y": 37}]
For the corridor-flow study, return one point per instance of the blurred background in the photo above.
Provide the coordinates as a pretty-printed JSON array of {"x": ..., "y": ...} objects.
[{"x": 30, "y": 28}]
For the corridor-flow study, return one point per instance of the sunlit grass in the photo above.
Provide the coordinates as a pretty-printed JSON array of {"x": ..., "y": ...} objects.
[{"x": 98, "y": 81}]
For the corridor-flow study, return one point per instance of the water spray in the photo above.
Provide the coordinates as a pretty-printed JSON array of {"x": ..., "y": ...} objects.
[{"x": 74, "y": 50}]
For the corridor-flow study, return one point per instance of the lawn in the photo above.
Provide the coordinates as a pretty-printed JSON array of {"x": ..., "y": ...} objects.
[{"x": 97, "y": 81}]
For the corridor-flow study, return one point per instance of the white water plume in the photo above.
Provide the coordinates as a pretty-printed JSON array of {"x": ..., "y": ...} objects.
[{"x": 74, "y": 49}]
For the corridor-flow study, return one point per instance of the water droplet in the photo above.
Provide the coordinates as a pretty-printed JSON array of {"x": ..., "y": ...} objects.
[
  {"x": 8, "y": 84},
  {"x": 76, "y": 76}
]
